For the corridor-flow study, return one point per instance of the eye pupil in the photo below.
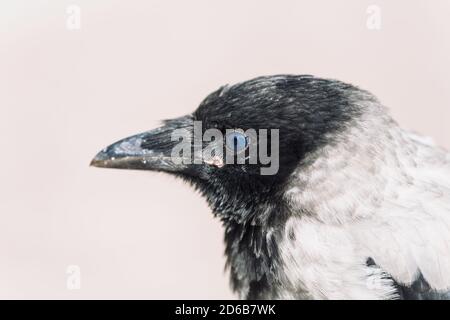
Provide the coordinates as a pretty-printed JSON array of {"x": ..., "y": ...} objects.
[{"x": 237, "y": 142}]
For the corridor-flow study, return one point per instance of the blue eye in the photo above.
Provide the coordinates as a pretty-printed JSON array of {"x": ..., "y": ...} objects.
[{"x": 236, "y": 141}]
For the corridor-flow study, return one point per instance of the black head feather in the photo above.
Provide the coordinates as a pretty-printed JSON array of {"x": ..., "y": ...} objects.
[{"x": 307, "y": 111}]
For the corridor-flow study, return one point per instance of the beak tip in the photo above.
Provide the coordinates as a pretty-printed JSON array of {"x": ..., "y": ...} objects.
[{"x": 93, "y": 163}]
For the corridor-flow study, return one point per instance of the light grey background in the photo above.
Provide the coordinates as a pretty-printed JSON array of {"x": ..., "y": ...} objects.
[{"x": 66, "y": 94}]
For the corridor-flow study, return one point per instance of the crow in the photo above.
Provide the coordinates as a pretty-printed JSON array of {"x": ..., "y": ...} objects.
[{"x": 354, "y": 207}]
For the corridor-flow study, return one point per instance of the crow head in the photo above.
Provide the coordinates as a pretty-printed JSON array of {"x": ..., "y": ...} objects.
[{"x": 242, "y": 143}]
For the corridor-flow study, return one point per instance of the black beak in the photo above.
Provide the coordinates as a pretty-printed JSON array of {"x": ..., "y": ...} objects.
[{"x": 151, "y": 150}]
